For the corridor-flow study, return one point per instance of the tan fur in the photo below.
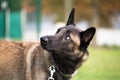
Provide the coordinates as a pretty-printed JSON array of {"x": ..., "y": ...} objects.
[
  {"x": 21, "y": 61},
  {"x": 76, "y": 39},
  {"x": 29, "y": 58}
]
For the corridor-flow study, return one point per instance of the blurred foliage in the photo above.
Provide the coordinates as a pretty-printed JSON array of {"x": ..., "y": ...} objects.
[
  {"x": 55, "y": 7},
  {"x": 13, "y": 5},
  {"x": 86, "y": 9},
  {"x": 31, "y": 5},
  {"x": 0, "y": 5}
]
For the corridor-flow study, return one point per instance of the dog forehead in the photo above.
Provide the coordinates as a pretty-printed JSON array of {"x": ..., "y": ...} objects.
[{"x": 71, "y": 28}]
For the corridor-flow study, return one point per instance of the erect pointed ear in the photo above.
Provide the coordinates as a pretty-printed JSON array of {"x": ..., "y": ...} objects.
[
  {"x": 71, "y": 18},
  {"x": 87, "y": 35}
]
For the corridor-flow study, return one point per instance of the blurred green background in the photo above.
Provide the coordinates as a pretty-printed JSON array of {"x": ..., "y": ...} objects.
[
  {"x": 103, "y": 64},
  {"x": 26, "y": 20}
]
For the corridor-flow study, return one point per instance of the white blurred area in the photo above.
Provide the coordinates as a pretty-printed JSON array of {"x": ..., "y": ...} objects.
[
  {"x": 104, "y": 36},
  {"x": 108, "y": 37}
]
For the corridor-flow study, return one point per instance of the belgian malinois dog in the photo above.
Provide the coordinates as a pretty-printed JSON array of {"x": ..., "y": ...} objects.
[{"x": 56, "y": 57}]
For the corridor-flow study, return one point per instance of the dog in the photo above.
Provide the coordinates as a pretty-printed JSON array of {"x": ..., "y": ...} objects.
[{"x": 55, "y": 57}]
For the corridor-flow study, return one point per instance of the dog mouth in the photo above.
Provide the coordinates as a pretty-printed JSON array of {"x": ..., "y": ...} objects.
[
  {"x": 43, "y": 44},
  {"x": 46, "y": 43}
]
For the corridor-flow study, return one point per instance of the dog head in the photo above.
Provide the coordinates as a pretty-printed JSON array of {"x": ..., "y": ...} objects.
[{"x": 68, "y": 40}]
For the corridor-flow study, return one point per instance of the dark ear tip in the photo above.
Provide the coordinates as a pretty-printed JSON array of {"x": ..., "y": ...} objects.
[
  {"x": 93, "y": 29},
  {"x": 73, "y": 9}
]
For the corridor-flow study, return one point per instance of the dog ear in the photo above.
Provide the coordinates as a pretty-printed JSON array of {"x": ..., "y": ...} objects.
[
  {"x": 71, "y": 18},
  {"x": 87, "y": 35}
]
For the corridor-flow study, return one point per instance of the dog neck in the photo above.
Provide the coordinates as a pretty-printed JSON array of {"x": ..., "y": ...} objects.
[{"x": 67, "y": 65}]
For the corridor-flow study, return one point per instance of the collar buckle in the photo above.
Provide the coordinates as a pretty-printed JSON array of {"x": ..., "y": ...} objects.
[{"x": 52, "y": 71}]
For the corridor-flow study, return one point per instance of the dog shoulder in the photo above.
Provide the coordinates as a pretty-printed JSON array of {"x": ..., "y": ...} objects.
[{"x": 35, "y": 60}]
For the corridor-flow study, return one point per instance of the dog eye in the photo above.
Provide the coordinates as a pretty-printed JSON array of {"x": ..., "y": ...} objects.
[{"x": 67, "y": 37}]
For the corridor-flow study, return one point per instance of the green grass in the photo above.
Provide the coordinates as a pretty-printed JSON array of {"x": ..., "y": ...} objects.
[{"x": 103, "y": 64}]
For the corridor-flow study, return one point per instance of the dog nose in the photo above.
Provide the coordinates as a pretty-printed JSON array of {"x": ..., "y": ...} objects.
[{"x": 44, "y": 39}]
